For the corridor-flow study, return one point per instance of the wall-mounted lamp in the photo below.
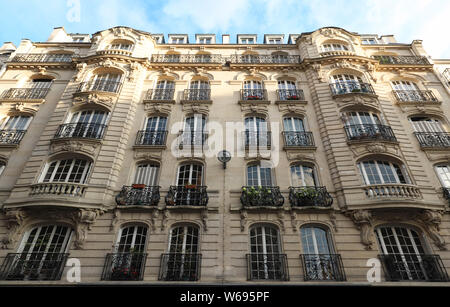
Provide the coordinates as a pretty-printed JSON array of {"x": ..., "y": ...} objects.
[{"x": 224, "y": 157}]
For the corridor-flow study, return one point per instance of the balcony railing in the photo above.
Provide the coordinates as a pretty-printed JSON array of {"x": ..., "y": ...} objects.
[
  {"x": 58, "y": 189},
  {"x": 25, "y": 93},
  {"x": 100, "y": 86},
  {"x": 33, "y": 266},
  {"x": 298, "y": 139},
  {"x": 415, "y": 96},
  {"x": 197, "y": 94},
  {"x": 446, "y": 194},
  {"x": 341, "y": 88},
  {"x": 151, "y": 138},
  {"x": 260, "y": 139},
  {"x": 310, "y": 197},
  {"x": 160, "y": 94},
  {"x": 187, "y": 195},
  {"x": 81, "y": 130},
  {"x": 253, "y": 94},
  {"x": 288, "y": 95},
  {"x": 192, "y": 138},
  {"x": 323, "y": 267},
  {"x": 401, "y": 60},
  {"x": 418, "y": 267},
  {"x": 369, "y": 132},
  {"x": 433, "y": 139},
  {"x": 267, "y": 196},
  {"x": 265, "y": 59},
  {"x": 267, "y": 267},
  {"x": 187, "y": 58},
  {"x": 180, "y": 267},
  {"x": 392, "y": 191},
  {"x": 42, "y": 58},
  {"x": 124, "y": 266},
  {"x": 11, "y": 137},
  {"x": 138, "y": 195}
]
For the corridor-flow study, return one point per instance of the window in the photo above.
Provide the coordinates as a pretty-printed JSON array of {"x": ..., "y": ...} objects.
[
  {"x": 41, "y": 83},
  {"x": 343, "y": 84},
  {"x": 154, "y": 131},
  {"x": 190, "y": 174},
  {"x": 343, "y": 79},
  {"x": 274, "y": 41},
  {"x": 70, "y": 170},
  {"x": 105, "y": 82},
  {"x": 259, "y": 176},
  {"x": 383, "y": 172},
  {"x": 426, "y": 124},
  {"x": 256, "y": 133},
  {"x": 205, "y": 40},
  {"x": 361, "y": 118},
  {"x": 78, "y": 39},
  {"x": 15, "y": 122},
  {"x": 132, "y": 239},
  {"x": 303, "y": 176},
  {"x": 288, "y": 90},
  {"x": 194, "y": 130},
  {"x": 253, "y": 90},
  {"x": 249, "y": 40},
  {"x": 86, "y": 124},
  {"x": 178, "y": 40},
  {"x": 2, "y": 167},
  {"x": 199, "y": 90},
  {"x": 293, "y": 124},
  {"x": 147, "y": 174},
  {"x": 443, "y": 172},
  {"x": 121, "y": 46},
  {"x": 369, "y": 41},
  {"x": 334, "y": 47}
]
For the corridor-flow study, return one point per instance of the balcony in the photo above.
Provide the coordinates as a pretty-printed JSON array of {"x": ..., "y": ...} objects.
[
  {"x": 318, "y": 267},
  {"x": 180, "y": 267},
  {"x": 197, "y": 95},
  {"x": 298, "y": 139},
  {"x": 160, "y": 95},
  {"x": 399, "y": 191},
  {"x": 187, "y": 58},
  {"x": 138, "y": 195},
  {"x": 310, "y": 197},
  {"x": 15, "y": 94},
  {"x": 290, "y": 95},
  {"x": 258, "y": 139},
  {"x": 265, "y": 59},
  {"x": 401, "y": 60},
  {"x": 192, "y": 139},
  {"x": 99, "y": 86},
  {"x": 413, "y": 267},
  {"x": 124, "y": 266},
  {"x": 370, "y": 132},
  {"x": 415, "y": 97},
  {"x": 11, "y": 137},
  {"x": 187, "y": 195},
  {"x": 267, "y": 196},
  {"x": 151, "y": 138},
  {"x": 81, "y": 131},
  {"x": 349, "y": 87},
  {"x": 33, "y": 266},
  {"x": 434, "y": 140},
  {"x": 42, "y": 58},
  {"x": 253, "y": 94},
  {"x": 63, "y": 189},
  {"x": 267, "y": 267}
]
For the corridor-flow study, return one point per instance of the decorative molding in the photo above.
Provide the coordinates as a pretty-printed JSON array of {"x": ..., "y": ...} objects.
[
  {"x": 244, "y": 220},
  {"x": 115, "y": 220},
  {"x": 280, "y": 216},
  {"x": 103, "y": 99},
  {"x": 80, "y": 146},
  {"x": 14, "y": 222},
  {"x": 147, "y": 154},
  {"x": 294, "y": 156},
  {"x": 431, "y": 221},
  {"x": 153, "y": 218},
  {"x": 363, "y": 220},
  {"x": 364, "y": 148},
  {"x": 294, "y": 221},
  {"x": 165, "y": 219},
  {"x": 196, "y": 107},
  {"x": 204, "y": 217},
  {"x": 355, "y": 99},
  {"x": 164, "y": 108}
]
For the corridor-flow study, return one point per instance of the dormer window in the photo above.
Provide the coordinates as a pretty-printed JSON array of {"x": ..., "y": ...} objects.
[
  {"x": 178, "y": 40},
  {"x": 369, "y": 41},
  {"x": 121, "y": 46},
  {"x": 247, "y": 40},
  {"x": 334, "y": 47},
  {"x": 274, "y": 41},
  {"x": 78, "y": 39}
]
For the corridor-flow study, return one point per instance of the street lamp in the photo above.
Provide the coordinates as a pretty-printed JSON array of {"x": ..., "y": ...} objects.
[{"x": 224, "y": 157}]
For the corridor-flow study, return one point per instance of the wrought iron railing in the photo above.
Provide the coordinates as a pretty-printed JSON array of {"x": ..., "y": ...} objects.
[
  {"x": 260, "y": 139},
  {"x": 42, "y": 58},
  {"x": 192, "y": 138},
  {"x": 446, "y": 194},
  {"x": 81, "y": 130},
  {"x": 33, "y": 266},
  {"x": 266, "y": 196},
  {"x": 267, "y": 267},
  {"x": 392, "y": 191},
  {"x": 286, "y": 95},
  {"x": 180, "y": 267},
  {"x": 151, "y": 138},
  {"x": 187, "y": 195},
  {"x": 11, "y": 137},
  {"x": 160, "y": 94},
  {"x": 340, "y": 88},
  {"x": 124, "y": 266},
  {"x": 433, "y": 139},
  {"x": 138, "y": 195},
  {"x": 310, "y": 197},
  {"x": 58, "y": 189},
  {"x": 100, "y": 86},
  {"x": 366, "y": 132},
  {"x": 264, "y": 59},
  {"x": 415, "y": 96},
  {"x": 323, "y": 267},
  {"x": 298, "y": 138},
  {"x": 197, "y": 94},
  {"x": 187, "y": 58},
  {"x": 401, "y": 60},
  {"x": 253, "y": 94},
  {"x": 418, "y": 267},
  {"x": 25, "y": 93}
]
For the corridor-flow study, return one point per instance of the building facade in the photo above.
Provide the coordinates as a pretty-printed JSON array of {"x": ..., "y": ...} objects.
[{"x": 339, "y": 158}]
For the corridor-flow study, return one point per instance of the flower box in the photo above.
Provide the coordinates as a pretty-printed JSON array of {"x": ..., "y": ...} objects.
[
  {"x": 138, "y": 186},
  {"x": 190, "y": 186}
]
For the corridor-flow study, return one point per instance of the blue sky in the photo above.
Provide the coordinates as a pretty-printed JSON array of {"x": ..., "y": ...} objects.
[{"x": 428, "y": 20}]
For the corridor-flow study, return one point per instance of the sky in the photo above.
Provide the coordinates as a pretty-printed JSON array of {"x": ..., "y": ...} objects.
[{"x": 428, "y": 20}]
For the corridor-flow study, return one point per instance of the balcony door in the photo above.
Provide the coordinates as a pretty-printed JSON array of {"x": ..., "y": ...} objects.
[
  {"x": 194, "y": 130},
  {"x": 199, "y": 90},
  {"x": 256, "y": 133},
  {"x": 41, "y": 84},
  {"x": 303, "y": 176},
  {"x": 383, "y": 172},
  {"x": 106, "y": 82},
  {"x": 404, "y": 86},
  {"x": 347, "y": 83},
  {"x": 294, "y": 131},
  {"x": 147, "y": 174},
  {"x": 16, "y": 123},
  {"x": 426, "y": 124},
  {"x": 443, "y": 172},
  {"x": 87, "y": 123},
  {"x": 69, "y": 170},
  {"x": 155, "y": 131},
  {"x": 190, "y": 174},
  {"x": 164, "y": 90},
  {"x": 258, "y": 176},
  {"x": 131, "y": 239},
  {"x": 253, "y": 90},
  {"x": 362, "y": 123}
]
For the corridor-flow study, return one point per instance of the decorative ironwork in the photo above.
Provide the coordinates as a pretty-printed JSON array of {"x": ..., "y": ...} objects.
[
  {"x": 258, "y": 139},
  {"x": 366, "y": 132},
  {"x": 187, "y": 195},
  {"x": 298, "y": 138},
  {"x": 138, "y": 195},
  {"x": 347, "y": 87},
  {"x": 124, "y": 266},
  {"x": 180, "y": 267},
  {"x": 265, "y": 59},
  {"x": 33, "y": 266},
  {"x": 267, "y": 267},
  {"x": 253, "y": 94},
  {"x": 100, "y": 86},
  {"x": 81, "y": 130},
  {"x": 287, "y": 95},
  {"x": 42, "y": 58},
  {"x": 188, "y": 58},
  {"x": 25, "y": 93},
  {"x": 11, "y": 137},
  {"x": 433, "y": 139},
  {"x": 192, "y": 138},
  {"x": 415, "y": 96},
  {"x": 58, "y": 189},
  {"x": 399, "y": 267},
  {"x": 310, "y": 197},
  {"x": 151, "y": 138},
  {"x": 197, "y": 94},
  {"x": 267, "y": 196},
  {"x": 160, "y": 94},
  {"x": 323, "y": 267},
  {"x": 401, "y": 60}
]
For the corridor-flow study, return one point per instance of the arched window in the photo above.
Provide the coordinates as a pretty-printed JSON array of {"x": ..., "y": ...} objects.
[
  {"x": 155, "y": 131},
  {"x": 334, "y": 47},
  {"x": 16, "y": 122},
  {"x": 347, "y": 83},
  {"x": 253, "y": 90},
  {"x": 303, "y": 176},
  {"x": 194, "y": 132},
  {"x": 104, "y": 82},
  {"x": 199, "y": 90},
  {"x": 408, "y": 91},
  {"x": 366, "y": 125},
  {"x": 443, "y": 171},
  {"x": 85, "y": 124},
  {"x": 287, "y": 90},
  {"x": 132, "y": 239},
  {"x": 121, "y": 45},
  {"x": 190, "y": 174},
  {"x": 164, "y": 90},
  {"x": 259, "y": 176},
  {"x": 74, "y": 170},
  {"x": 147, "y": 174},
  {"x": 376, "y": 172}
]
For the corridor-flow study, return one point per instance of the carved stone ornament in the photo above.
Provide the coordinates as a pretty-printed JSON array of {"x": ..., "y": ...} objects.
[
  {"x": 294, "y": 221},
  {"x": 244, "y": 219},
  {"x": 147, "y": 154},
  {"x": 431, "y": 220},
  {"x": 280, "y": 216},
  {"x": 153, "y": 218},
  {"x": 88, "y": 148},
  {"x": 104, "y": 100},
  {"x": 133, "y": 71},
  {"x": 330, "y": 33},
  {"x": 80, "y": 72},
  {"x": 292, "y": 108},
  {"x": 83, "y": 223},
  {"x": 115, "y": 220},
  {"x": 165, "y": 220},
  {"x": 317, "y": 67},
  {"x": 204, "y": 217},
  {"x": 363, "y": 220},
  {"x": 254, "y": 108},
  {"x": 14, "y": 221},
  {"x": 376, "y": 148},
  {"x": 196, "y": 108},
  {"x": 164, "y": 108}
]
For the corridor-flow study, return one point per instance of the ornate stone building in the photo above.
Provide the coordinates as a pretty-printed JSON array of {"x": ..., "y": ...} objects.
[{"x": 339, "y": 144}]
